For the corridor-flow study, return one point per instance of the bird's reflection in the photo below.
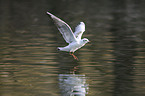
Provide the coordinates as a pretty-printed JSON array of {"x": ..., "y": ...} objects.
[{"x": 73, "y": 84}]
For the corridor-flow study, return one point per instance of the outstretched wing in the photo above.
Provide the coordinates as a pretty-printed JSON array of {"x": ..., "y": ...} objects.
[
  {"x": 79, "y": 30},
  {"x": 64, "y": 29}
]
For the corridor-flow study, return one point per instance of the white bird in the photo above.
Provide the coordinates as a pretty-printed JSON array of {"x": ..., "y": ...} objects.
[{"x": 74, "y": 39}]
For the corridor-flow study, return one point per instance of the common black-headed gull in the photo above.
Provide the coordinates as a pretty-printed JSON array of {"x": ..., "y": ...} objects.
[{"x": 74, "y": 39}]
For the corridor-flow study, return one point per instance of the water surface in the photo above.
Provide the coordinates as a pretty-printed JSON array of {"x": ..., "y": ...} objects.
[{"x": 111, "y": 65}]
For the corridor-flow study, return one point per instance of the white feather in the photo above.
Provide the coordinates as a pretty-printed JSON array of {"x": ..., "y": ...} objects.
[
  {"x": 64, "y": 29},
  {"x": 79, "y": 30}
]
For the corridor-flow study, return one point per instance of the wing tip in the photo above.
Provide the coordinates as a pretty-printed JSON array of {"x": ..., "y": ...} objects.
[
  {"x": 81, "y": 22},
  {"x": 48, "y": 13},
  {"x": 51, "y": 15}
]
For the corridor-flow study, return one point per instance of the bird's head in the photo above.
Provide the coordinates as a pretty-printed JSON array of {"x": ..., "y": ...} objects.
[{"x": 85, "y": 40}]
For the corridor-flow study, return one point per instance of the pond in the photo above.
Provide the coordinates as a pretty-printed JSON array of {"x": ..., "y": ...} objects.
[{"x": 112, "y": 64}]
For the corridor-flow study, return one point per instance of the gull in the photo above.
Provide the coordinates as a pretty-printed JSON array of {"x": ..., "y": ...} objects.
[{"x": 73, "y": 39}]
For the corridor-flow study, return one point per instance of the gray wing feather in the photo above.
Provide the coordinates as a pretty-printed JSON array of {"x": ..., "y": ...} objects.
[
  {"x": 79, "y": 30},
  {"x": 64, "y": 29}
]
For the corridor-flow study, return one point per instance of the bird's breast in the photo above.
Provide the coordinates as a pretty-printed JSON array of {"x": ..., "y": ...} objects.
[{"x": 75, "y": 46}]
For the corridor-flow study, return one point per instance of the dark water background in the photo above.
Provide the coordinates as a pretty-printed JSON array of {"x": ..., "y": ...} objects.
[{"x": 113, "y": 64}]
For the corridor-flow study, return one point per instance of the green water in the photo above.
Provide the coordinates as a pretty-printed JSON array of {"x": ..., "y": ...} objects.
[{"x": 112, "y": 64}]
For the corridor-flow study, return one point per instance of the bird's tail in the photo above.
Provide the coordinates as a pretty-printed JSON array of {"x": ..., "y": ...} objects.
[
  {"x": 59, "y": 48},
  {"x": 62, "y": 49}
]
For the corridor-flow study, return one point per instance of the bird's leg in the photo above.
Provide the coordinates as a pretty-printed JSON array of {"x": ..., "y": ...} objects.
[{"x": 73, "y": 56}]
